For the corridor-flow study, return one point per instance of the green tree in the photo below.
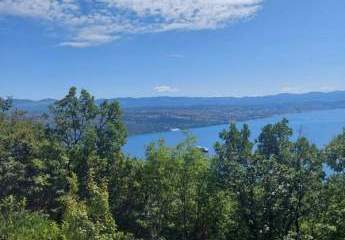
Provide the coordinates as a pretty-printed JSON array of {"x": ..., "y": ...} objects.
[
  {"x": 171, "y": 195},
  {"x": 31, "y": 166},
  {"x": 5, "y": 104},
  {"x": 335, "y": 153},
  {"x": 276, "y": 186},
  {"x": 88, "y": 132},
  {"x": 91, "y": 219},
  {"x": 275, "y": 140},
  {"x": 16, "y": 223},
  {"x": 127, "y": 198}
]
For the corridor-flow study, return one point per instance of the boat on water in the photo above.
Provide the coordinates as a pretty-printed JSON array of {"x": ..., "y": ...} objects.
[
  {"x": 175, "y": 130},
  {"x": 203, "y": 149}
]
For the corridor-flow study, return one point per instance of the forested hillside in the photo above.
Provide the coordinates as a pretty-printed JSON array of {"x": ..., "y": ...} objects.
[{"x": 67, "y": 178}]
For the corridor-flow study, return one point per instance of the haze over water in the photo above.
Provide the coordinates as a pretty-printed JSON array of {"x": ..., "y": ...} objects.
[{"x": 318, "y": 126}]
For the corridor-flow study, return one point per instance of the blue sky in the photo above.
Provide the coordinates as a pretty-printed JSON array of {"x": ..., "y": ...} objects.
[{"x": 117, "y": 48}]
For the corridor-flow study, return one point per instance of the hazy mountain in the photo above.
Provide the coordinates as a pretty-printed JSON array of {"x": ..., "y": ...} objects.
[
  {"x": 173, "y": 102},
  {"x": 153, "y": 114}
]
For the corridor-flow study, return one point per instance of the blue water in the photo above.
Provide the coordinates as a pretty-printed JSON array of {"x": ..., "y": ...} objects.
[{"x": 318, "y": 126}]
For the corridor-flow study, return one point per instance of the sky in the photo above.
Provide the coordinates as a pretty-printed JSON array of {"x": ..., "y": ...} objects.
[{"x": 141, "y": 48}]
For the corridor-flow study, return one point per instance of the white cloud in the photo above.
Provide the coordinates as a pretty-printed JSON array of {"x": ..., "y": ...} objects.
[
  {"x": 94, "y": 22},
  {"x": 165, "y": 89}
]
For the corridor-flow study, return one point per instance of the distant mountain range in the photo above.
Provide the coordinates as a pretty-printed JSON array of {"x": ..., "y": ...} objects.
[
  {"x": 154, "y": 114},
  {"x": 173, "y": 102}
]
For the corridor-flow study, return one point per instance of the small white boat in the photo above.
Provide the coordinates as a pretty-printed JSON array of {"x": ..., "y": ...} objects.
[
  {"x": 203, "y": 149},
  {"x": 175, "y": 130}
]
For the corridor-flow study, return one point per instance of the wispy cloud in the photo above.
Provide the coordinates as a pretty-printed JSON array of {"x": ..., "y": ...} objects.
[
  {"x": 94, "y": 22},
  {"x": 165, "y": 89}
]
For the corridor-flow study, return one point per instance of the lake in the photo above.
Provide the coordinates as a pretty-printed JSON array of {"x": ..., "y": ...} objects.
[{"x": 318, "y": 126}]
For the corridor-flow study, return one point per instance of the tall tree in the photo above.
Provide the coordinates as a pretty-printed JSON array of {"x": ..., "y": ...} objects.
[
  {"x": 335, "y": 153},
  {"x": 274, "y": 186},
  {"x": 92, "y": 134},
  {"x": 30, "y": 165}
]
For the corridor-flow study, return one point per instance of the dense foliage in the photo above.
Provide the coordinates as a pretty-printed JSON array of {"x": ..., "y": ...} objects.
[{"x": 67, "y": 179}]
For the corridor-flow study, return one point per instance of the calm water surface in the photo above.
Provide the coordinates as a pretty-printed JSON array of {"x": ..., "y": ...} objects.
[{"x": 318, "y": 126}]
